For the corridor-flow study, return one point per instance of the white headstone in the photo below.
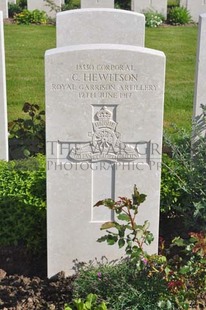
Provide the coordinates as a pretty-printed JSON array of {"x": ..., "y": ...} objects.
[
  {"x": 4, "y": 8},
  {"x": 104, "y": 109},
  {"x": 12, "y": 1},
  {"x": 42, "y": 5},
  {"x": 200, "y": 87},
  {"x": 3, "y": 101},
  {"x": 97, "y": 4},
  {"x": 142, "y": 6},
  {"x": 195, "y": 7},
  {"x": 85, "y": 26}
]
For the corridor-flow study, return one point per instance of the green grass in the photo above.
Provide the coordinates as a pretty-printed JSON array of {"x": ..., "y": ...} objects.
[
  {"x": 26, "y": 45},
  {"x": 25, "y": 48},
  {"x": 179, "y": 45}
]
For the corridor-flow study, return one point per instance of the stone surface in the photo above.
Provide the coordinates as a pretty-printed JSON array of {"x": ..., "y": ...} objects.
[
  {"x": 3, "y": 100},
  {"x": 4, "y": 8},
  {"x": 195, "y": 7},
  {"x": 43, "y": 6},
  {"x": 145, "y": 5},
  {"x": 97, "y": 4},
  {"x": 200, "y": 85},
  {"x": 104, "y": 109},
  {"x": 84, "y": 27}
]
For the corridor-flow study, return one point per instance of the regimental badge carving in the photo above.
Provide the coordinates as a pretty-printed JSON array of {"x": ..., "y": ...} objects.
[{"x": 105, "y": 144}]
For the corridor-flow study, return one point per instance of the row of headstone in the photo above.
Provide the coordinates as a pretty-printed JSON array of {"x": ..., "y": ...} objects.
[
  {"x": 143, "y": 6},
  {"x": 139, "y": 6},
  {"x": 104, "y": 111},
  {"x": 43, "y": 5},
  {"x": 195, "y": 7},
  {"x": 3, "y": 101}
]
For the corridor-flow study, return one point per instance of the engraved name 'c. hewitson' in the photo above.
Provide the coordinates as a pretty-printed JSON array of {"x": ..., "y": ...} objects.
[
  {"x": 105, "y": 81},
  {"x": 105, "y": 142}
]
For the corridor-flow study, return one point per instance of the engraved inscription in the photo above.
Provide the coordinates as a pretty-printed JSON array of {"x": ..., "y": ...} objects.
[{"x": 104, "y": 81}]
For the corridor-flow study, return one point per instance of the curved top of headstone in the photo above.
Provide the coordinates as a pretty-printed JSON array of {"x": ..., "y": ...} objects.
[{"x": 100, "y": 26}]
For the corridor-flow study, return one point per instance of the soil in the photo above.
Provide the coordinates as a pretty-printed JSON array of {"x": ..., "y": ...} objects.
[{"x": 24, "y": 286}]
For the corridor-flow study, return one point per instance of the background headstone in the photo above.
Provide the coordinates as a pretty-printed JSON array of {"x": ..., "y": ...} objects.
[
  {"x": 12, "y": 1},
  {"x": 4, "y": 8},
  {"x": 85, "y": 26},
  {"x": 42, "y": 5},
  {"x": 3, "y": 101},
  {"x": 200, "y": 87},
  {"x": 195, "y": 7},
  {"x": 104, "y": 109},
  {"x": 141, "y": 6},
  {"x": 85, "y": 4}
]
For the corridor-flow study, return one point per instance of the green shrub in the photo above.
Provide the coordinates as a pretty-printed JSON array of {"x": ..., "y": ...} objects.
[
  {"x": 14, "y": 9},
  {"x": 183, "y": 193},
  {"x": 122, "y": 285},
  {"x": 89, "y": 304},
  {"x": 23, "y": 204},
  {"x": 70, "y": 5},
  {"x": 123, "y": 4},
  {"x": 27, "y": 136},
  {"x": 179, "y": 16},
  {"x": 31, "y": 17},
  {"x": 22, "y": 4},
  {"x": 153, "y": 19}
]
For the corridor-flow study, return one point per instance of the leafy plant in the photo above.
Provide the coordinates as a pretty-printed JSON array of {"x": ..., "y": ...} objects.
[
  {"x": 70, "y": 5},
  {"x": 23, "y": 204},
  {"x": 122, "y": 285},
  {"x": 13, "y": 9},
  {"x": 179, "y": 16},
  {"x": 153, "y": 19},
  {"x": 183, "y": 192},
  {"x": 89, "y": 304},
  {"x": 27, "y": 136},
  {"x": 187, "y": 275},
  {"x": 31, "y": 17},
  {"x": 22, "y": 4},
  {"x": 130, "y": 234}
]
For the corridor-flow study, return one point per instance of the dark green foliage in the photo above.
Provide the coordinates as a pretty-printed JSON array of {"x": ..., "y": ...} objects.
[
  {"x": 121, "y": 285},
  {"x": 23, "y": 204},
  {"x": 22, "y": 4},
  {"x": 183, "y": 193},
  {"x": 123, "y": 4},
  {"x": 27, "y": 136},
  {"x": 70, "y": 5},
  {"x": 14, "y": 9},
  {"x": 179, "y": 16}
]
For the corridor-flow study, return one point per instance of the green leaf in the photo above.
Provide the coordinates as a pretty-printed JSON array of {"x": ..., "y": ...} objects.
[
  {"x": 178, "y": 241},
  {"x": 121, "y": 243},
  {"x": 112, "y": 239},
  {"x": 66, "y": 307},
  {"x": 185, "y": 269},
  {"x": 108, "y": 225},
  {"x": 123, "y": 217},
  {"x": 146, "y": 225},
  {"x": 102, "y": 239}
]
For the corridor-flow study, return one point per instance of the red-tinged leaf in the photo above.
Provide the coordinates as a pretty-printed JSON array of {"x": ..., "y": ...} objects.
[{"x": 99, "y": 203}]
